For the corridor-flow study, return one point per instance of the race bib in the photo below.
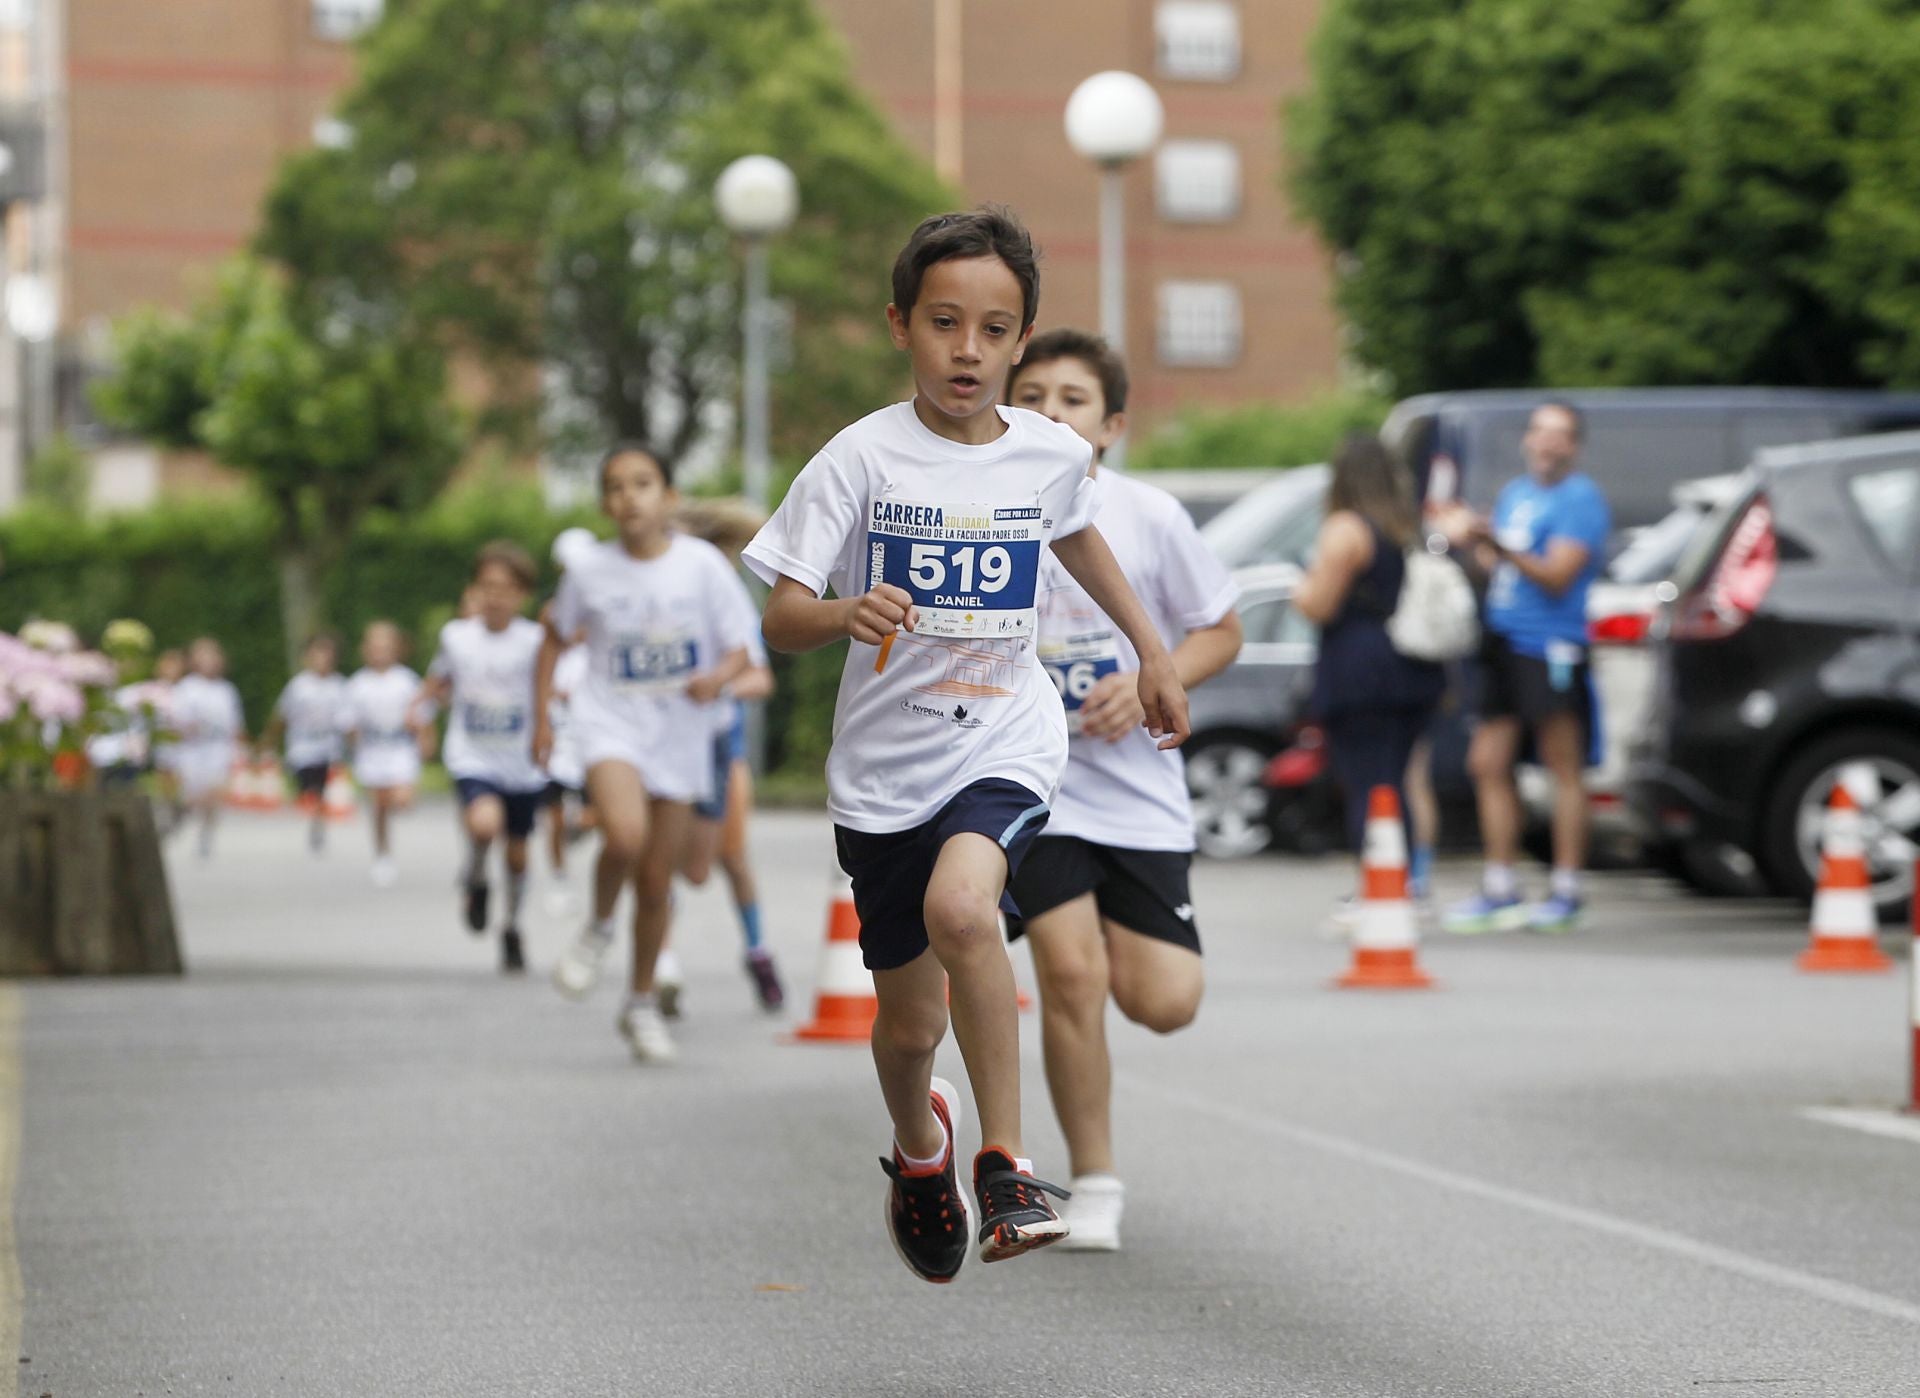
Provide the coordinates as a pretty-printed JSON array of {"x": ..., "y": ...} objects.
[
  {"x": 663, "y": 665},
  {"x": 493, "y": 723},
  {"x": 1077, "y": 663},
  {"x": 970, "y": 569}
]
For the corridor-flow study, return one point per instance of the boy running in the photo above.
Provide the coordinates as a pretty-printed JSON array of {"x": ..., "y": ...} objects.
[
  {"x": 928, "y": 521},
  {"x": 483, "y": 672},
  {"x": 387, "y": 743},
  {"x": 208, "y": 719},
  {"x": 1103, "y": 894},
  {"x": 664, "y": 639},
  {"x": 309, "y": 713}
]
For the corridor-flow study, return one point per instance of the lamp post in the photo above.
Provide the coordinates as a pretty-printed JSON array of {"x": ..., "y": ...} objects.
[
  {"x": 757, "y": 199},
  {"x": 1114, "y": 118}
]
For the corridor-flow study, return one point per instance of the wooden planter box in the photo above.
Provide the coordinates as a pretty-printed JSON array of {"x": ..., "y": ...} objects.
[{"x": 83, "y": 890}]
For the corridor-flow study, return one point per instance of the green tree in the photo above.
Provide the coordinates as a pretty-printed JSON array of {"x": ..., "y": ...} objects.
[
  {"x": 328, "y": 418},
  {"x": 536, "y": 181},
  {"x": 1623, "y": 191}
]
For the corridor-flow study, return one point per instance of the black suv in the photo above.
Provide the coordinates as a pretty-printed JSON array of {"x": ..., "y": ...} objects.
[{"x": 1786, "y": 660}]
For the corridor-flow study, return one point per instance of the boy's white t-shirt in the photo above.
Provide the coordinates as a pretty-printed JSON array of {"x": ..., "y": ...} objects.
[
  {"x": 1128, "y": 794},
  {"x": 727, "y": 712},
  {"x": 569, "y": 673},
  {"x": 963, "y": 529},
  {"x": 650, "y": 625},
  {"x": 490, "y": 723},
  {"x": 377, "y": 704},
  {"x": 313, "y": 708},
  {"x": 207, "y": 715}
]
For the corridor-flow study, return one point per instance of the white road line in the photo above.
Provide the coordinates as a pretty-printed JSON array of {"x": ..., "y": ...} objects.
[
  {"x": 1893, "y": 1125},
  {"x": 1660, "y": 1239}
]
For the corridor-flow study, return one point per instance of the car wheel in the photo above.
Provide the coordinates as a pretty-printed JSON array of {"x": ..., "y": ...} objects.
[
  {"x": 1881, "y": 768},
  {"x": 1717, "y": 871},
  {"x": 1232, "y": 811}
]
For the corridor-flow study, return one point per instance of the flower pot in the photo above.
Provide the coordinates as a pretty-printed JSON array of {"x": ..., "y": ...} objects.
[{"x": 83, "y": 889}]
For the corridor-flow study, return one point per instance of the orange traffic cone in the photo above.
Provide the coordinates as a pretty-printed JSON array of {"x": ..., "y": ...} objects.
[
  {"x": 336, "y": 801},
  {"x": 1386, "y": 939},
  {"x": 1844, "y": 923},
  {"x": 269, "y": 788},
  {"x": 240, "y": 786},
  {"x": 844, "y": 1004}
]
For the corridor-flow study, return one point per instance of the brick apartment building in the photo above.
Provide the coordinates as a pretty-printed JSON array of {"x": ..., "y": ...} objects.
[{"x": 166, "y": 118}]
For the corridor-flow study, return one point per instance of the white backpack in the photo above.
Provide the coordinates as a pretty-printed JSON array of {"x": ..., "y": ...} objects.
[{"x": 1438, "y": 617}]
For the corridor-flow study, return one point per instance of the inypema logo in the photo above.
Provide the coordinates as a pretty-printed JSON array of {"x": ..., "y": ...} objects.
[
  {"x": 923, "y": 710},
  {"x": 961, "y": 715}
]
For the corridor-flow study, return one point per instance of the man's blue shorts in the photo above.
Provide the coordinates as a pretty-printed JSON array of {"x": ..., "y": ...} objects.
[
  {"x": 891, "y": 872},
  {"x": 522, "y": 807}
]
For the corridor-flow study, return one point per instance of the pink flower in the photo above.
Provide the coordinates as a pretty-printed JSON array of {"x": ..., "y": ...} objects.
[
  {"x": 53, "y": 700},
  {"x": 90, "y": 668},
  {"x": 9, "y": 704},
  {"x": 54, "y": 636}
]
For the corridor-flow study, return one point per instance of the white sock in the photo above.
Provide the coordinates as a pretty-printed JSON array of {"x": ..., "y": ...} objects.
[
  {"x": 600, "y": 929},
  {"x": 1566, "y": 884},
  {"x": 516, "y": 895},
  {"x": 1500, "y": 881},
  {"x": 666, "y": 967},
  {"x": 637, "y": 1001},
  {"x": 476, "y": 864},
  {"x": 1023, "y": 1165},
  {"x": 911, "y": 1163}
]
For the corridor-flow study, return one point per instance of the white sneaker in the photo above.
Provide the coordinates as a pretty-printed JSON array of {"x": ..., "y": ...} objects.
[
  {"x": 579, "y": 965},
  {"x": 1093, "y": 1213},
  {"x": 385, "y": 872},
  {"x": 646, "y": 1034}
]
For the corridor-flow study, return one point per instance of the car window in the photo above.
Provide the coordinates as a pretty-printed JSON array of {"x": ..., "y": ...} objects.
[
  {"x": 1275, "y": 523},
  {"x": 1654, "y": 552},
  {"x": 1888, "y": 499},
  {"x": 1263, "y": 618}
]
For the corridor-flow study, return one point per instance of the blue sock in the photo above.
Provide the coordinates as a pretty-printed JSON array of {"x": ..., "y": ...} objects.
[
  {"x": 750, "y": 925},
  {"x": 1420, "y": 867}
]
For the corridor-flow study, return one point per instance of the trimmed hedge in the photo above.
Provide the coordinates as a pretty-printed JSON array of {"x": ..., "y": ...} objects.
[{"x": 209, "y": 567}]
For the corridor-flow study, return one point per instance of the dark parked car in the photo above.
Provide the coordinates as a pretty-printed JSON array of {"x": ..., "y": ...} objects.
[{"x": 1786, "y": 660}]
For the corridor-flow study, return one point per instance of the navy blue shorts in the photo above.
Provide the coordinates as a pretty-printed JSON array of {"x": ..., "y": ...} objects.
[
  {"x": 728, "y": 748},
  {"x": 891, "y": 872},
  {"x": 523, "y": 807}
]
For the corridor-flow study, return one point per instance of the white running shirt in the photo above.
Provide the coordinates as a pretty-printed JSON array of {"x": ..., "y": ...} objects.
[
  {"x": 963, "y": 530},
  {"x": 728, "y": 711},
  {"x": 1129, "y": 794},
  {"x": 206, "y": 713},
  {"x": 314, "y": 709},
  {"x": 490, "y": 727},
  {"x": 650, "y": 626},
  {"x": 569, "y": 673},
  {"x": 376, "y": 709}
]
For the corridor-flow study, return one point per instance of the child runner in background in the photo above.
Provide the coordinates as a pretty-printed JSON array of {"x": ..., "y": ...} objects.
[
  {"x": 720, "y": 823},
  {"x": 567, "y": 775},
  {"x": 928, "y": 520},
  {"x": 664, "y": 640},
  {"x": 310, "y": 713},
  {"x": 211, "y": 727},
  {"x": 1103, "y": 894},
  {"x": 387, "y": 742},
  {"x": 483, "y": 673},
  {"x": 169, "y": 668}
]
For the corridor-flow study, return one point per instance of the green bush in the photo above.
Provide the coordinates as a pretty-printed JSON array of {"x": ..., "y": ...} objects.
[{"x": 1296, "y": 435}]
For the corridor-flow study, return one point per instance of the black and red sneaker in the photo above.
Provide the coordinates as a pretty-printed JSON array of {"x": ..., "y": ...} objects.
[
  {"x": 1015, "y": 1216},
  {"x": 928, "y": 1216}
]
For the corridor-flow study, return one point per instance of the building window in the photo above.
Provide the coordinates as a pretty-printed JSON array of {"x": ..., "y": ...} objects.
[
  {"x": 1197, "y": 181},
  {"x": 1199, "y": 324},
  {"x": 1198, "y": 40},
  {"x": 341, "y": 20}
]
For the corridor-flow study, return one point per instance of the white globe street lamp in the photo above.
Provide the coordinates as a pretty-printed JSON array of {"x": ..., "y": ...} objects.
[
  {"x": 1113, "y": 119},
  {"x": 758, "y": 198}
]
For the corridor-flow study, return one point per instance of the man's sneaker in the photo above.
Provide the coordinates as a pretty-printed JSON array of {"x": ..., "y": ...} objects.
[
  {"x": 766, "y": 980},
  {"x": 1015, "y": 1216},
  {"x": 928, "y": 1216},
  {"x": 477, "y": 907},
  {"x": 646, "y": 1034},
  {"x": 513, "y": 957},
  {"x": 1094, "y": 1214},
  {"x": 1482, "y": 913},
  {"x": 1558, "y": 914},
  {"x": 579, "y": 965}
]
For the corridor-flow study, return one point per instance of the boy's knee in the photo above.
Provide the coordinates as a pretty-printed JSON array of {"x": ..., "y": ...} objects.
[
  {"x": 1073, "y": 981},
  {"x": 911, "y": 1031},
  {"x": 1161, "y": 1009},
  {"x": 961, "y": 919},
  {"x": 622, "y": 843}
]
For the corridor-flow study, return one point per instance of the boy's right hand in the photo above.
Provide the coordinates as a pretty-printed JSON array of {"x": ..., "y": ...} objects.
[
  {"x": 880, "y": 613},
  {"x": 542, "y": 741}
]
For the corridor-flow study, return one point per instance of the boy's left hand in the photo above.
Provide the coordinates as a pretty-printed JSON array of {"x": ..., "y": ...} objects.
[
  {"x": 1163, "y": 701},
  {"x": 704, "y": 689},
  {"x": 1112, "y": 709}
]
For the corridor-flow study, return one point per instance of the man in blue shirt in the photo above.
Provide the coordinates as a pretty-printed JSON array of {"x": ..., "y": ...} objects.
[{"x": 1541, "y": 550}]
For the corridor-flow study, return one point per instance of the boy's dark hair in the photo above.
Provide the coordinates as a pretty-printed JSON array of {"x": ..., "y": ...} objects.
[
  {"x": 635, "y": 447},
  {"x": 323, "y": 638},
  {"x": 1574, "y": 416},
  {"x": 991, "y": 231},
  {"x": 504, "y": 553},
  {"x": 1086, "y": 347}
]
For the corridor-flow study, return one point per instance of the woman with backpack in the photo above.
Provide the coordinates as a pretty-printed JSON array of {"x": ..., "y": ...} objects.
[{"x": 1377, "y": 682}]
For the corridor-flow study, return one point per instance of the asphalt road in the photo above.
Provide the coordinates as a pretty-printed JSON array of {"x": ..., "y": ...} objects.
[{"x": 344, "y": 1156}]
